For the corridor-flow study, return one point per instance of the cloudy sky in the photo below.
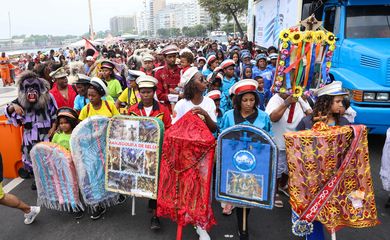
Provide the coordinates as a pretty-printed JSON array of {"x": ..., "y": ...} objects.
[{"x": 61, "y": 17}]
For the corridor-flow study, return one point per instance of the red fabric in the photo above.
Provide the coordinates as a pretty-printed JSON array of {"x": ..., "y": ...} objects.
[
  {"x": 168, "y": 79},
  {"x": 89, "y": 45},
  {"x": 149, "y": 73},
  {"x": 60, "y": 100},
  {"x": 161, "y": 112},
  {"x": 185, "y": 173}
]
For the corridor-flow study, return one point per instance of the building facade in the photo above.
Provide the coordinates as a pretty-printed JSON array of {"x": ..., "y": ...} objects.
[{"x": 123, "y": 24}]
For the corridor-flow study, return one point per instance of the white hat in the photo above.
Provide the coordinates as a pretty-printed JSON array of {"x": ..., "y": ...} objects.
[
  {"x": 227, "y": 63},
  {"x": 215, "y": 94},
  {"x": 100, "y": 85},
  {"x": 244, "y": 86},
  {"x": 201, "y": 59},
  {"x": 170, "y": 49},
  {"x": 332, "y": 89},
  {"x": 147, "y": 57},
  {"x": 210, "y": 59},
  {"x": 146, "y": 81},
  {"x": 187, "y": 75},
  {"x": 59, "y": 73},
  {"x": 185, "y": 50},
  {"x": 134, "y": 74},
  {"x": 273, "y": 56},
  {"x": 208, "y": 78},
  {"x": 89, "y": 58}
]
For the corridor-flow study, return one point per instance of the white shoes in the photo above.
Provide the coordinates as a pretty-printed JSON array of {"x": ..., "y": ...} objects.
[
  {"x": 30, "y": 217},
  {"x": 203, "y": 235}
]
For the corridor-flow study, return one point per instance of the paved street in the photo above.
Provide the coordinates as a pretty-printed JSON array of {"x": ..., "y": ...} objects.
[{"x": 119, "y": 224}]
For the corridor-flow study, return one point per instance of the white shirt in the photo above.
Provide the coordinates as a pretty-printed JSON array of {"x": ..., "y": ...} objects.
[
  {"x": 184, "y": 105},
  {"x": 280, "y": 127},
  {"x": 148, "y": 110}
]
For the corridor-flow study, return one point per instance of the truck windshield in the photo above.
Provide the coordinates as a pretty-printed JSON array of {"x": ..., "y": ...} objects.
[
  {"x": 368, "y": 22},
  {"x": 219, "y": 39}
]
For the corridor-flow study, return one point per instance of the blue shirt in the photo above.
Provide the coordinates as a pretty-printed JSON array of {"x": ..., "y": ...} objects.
[
  {"x": 206, "y": 72},
  {"x": 258, "y": 119},
  {"x": 266, "y": 74},
  {"x": 81, "y": 101},
  {"x": 264, "y": 97}
]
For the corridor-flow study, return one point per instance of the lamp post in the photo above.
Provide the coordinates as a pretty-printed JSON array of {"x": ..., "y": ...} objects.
[{"x": 91, "y": 33}]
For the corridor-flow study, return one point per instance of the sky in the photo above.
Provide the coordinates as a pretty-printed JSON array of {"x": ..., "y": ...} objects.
[{"x": 61, "y": 17}]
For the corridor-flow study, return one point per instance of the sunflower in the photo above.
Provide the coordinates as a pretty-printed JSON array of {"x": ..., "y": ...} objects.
[
  {"x": 319, "y": 36},
  {"x": 309, "y": 36},
  {"x": 296, "y": 37},
  {"x": 332, "y": 47},
  {"x": 285, "y": 35},
  {"x": 284, "y": 45},
  {"x": 298, "y": 91},
  {"x": 281, "y": 63},
  {"x": 330, "y": 38},
  {"x": 282, "y": 90}
]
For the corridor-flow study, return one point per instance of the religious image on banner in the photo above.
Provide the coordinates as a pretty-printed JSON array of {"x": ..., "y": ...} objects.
[
  {"x": 246, "y": 167},
  {"x": 133, "y": 155},
  {"x": 330, "y": 178}
]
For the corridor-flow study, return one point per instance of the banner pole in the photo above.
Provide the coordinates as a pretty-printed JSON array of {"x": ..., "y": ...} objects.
[
  {"x": 333, "y": 234},
  {"x": 244, "y": 219},
  {"x": 133, "y": 206},
  {"x": 179, "y": 232}
]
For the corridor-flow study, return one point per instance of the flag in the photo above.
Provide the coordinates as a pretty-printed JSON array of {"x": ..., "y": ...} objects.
[{"x": 89, "y": 45}]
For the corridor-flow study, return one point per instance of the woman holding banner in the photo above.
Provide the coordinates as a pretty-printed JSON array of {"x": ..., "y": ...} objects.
[{"x": 245, "y": 112}]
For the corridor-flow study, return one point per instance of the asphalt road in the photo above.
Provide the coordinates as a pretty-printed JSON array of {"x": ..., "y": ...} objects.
[{"x": 118, "y": 223}]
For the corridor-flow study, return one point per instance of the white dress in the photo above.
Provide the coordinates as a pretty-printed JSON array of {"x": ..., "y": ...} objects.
[{"x": 385, "y": 166}]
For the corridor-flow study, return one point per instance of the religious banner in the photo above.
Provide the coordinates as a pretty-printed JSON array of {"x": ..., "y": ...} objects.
[
  {"x": 246, "y": 167},
  {"x": 330, "y": 178},
  {"x": 133, "y": 155},
  {"x": 88, "y": 147},
  {"x": 185, "y": 173},
  {"x": 55, "y": 177}
]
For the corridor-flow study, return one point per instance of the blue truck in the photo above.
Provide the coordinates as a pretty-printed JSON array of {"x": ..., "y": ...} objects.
[{"x": 361, "y": 60}]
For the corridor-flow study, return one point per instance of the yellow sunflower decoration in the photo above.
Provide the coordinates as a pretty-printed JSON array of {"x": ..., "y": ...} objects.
[
  {"x": 285, "y": 35},
  {"x": 332, "y": 47},
  {"x": 309, "y": 36},
  {"x": 330, "y": 38},
  {"x": 296, "y": 37},
  {"x": 298, "y": 91},
  {"x": 319, "y": 36},
  {"x": 284, "y": 45},
  {"x": 282, "y": 90}
]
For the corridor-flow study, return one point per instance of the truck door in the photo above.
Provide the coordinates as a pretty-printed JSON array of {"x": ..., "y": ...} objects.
[{"x": 331, "y": 22}]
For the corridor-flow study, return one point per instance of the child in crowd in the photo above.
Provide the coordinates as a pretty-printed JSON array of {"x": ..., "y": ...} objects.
[
  {"x": 67, "y": 119},
  {"x": 186, "y": 59},
  {"x": 263, "y": 96},
  {"x": 130, "y": 96},
  {"x": 97, "y": 106},
  {"x": 108, "y": 75},
  {"x": 201, "y": 62},
  {"x": 247, "y": 73},
  {"x": 82, "y": 84}
]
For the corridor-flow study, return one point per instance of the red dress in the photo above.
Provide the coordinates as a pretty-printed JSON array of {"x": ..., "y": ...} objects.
[
  {"x": 60, "y": 100},
  {"x": 158, "y": 111},
  {"x": 168, "y": 79}
]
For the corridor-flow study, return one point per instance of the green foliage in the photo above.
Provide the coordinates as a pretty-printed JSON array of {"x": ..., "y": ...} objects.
[
  {"x": 231, "y": 8},
  {"x": 169, "y": 32},
  {"x": 195, "y": 31}
]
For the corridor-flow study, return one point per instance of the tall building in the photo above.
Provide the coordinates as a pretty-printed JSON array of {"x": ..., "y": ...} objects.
[
  {"x": 123, "y": 24},
  {"x": 154, "y": 7},
  {"x": 186, "y": 14}
]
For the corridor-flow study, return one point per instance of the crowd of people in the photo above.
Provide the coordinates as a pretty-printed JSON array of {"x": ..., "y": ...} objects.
[{"x": 225, "y": 85}]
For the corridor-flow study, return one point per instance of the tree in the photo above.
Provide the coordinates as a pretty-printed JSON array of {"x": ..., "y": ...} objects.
[{"x": 231, "y": 8}]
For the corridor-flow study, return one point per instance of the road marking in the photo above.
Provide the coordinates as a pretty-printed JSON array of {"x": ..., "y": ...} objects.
[{"x": 13, "y": 184}]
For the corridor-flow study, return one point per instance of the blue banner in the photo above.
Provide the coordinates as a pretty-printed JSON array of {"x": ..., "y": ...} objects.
[{"x": 246, "y": 167}]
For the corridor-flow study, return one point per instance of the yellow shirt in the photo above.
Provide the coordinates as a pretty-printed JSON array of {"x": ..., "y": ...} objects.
[
  {"x": 134, "y": 97},
  {"x": 89, "y": 111}
]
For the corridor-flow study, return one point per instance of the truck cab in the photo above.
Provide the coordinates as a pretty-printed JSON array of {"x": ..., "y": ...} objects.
[{"x": 361, "y": 60}]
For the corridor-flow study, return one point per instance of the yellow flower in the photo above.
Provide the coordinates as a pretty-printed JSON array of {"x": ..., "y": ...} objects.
[
  {"x": 319, "y": 36},
  {"x": 284, "y": 45},
  {"x": 296, "y": 37},
  {"x": 281, "y": 63},
  {"x": 330, "y": 38},
  {"x": 328, "y": 64},
  {"x": 332, "y": 47},
  {"x": 285, "y": 35},
  {"x": 309, "y": 36},
  {"x": 282, "y": 90},
  {"x": 298, "y": 91}
]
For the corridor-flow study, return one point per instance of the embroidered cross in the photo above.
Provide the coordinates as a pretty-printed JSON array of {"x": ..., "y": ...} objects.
[{"x": 245, "y": 139}]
